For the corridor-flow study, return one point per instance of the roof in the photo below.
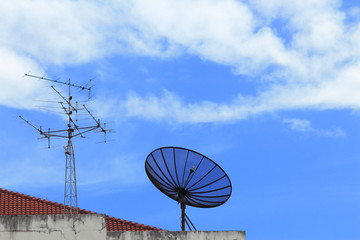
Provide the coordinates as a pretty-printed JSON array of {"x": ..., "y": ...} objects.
[{"x": 14, "y": 203}]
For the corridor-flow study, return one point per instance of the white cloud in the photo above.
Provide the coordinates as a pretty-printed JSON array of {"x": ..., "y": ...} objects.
[
  {"x": 15, "y": 91},
  {"x": 226, "y": 32},
  {"x": 313, "y": 52},
  {"x": 317, "y": 66},
  {"x": 171, "y": 107},
  {"x": 59, "y": 32},
  {"x": 302, "y": 125}
]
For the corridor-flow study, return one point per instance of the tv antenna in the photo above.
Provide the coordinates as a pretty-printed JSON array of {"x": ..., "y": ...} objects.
[
  {"x": 189, "y": 178},
  {"x": 73, "y": 130}
]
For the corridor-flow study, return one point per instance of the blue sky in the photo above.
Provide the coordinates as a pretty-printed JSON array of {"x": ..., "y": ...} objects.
[{"x": 267, "y": 89}]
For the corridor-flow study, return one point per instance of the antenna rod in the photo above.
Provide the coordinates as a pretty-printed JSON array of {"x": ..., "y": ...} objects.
[
  {"x": 103, "y": 129},
  {"x": 49, "y": 138},
  {"x": 70, "y": 119},
  {"x": 68, "y": 101},
  {"x": 39, "y": 130},
  {"x": 97, "y": 121},
  {"x": 56, "y": 81},
  {"x": 104, "y": 132},
  {"x": 91, "y": 114},
  {"x": 76, "y": 110},
  {"x": 89, "y": 87}
]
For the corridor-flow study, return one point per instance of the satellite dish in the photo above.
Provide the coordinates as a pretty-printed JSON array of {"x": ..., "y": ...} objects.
[{"x": 189, "y": 178}]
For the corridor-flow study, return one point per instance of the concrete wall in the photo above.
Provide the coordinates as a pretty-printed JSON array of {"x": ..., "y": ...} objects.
[
  {"x": 91, "y": 227},
  {"x": 195, "y": 235},
  {"x": 53, "y": 227}
]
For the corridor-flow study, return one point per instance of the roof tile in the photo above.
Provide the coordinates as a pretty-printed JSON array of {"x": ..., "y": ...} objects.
[{"x": 14, "y": 203}]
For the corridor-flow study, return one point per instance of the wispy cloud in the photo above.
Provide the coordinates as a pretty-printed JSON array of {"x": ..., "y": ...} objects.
[
  {"x": 118, "y": 171},
  {"x": 171, "y": 107},
  {"x": 32, "y": 173},
  {"x": 304, "y": 126},
  {"x": 48, "y": 172}
]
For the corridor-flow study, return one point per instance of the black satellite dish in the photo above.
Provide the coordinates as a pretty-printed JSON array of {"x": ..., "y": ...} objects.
[{"x": 189, "y": 178}]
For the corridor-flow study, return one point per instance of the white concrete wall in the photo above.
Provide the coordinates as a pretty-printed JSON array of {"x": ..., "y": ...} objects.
[
  {"x": 53, "y": 227},
  {"x": 178, "y": 235},
  {"x": 91, "y": 227}
]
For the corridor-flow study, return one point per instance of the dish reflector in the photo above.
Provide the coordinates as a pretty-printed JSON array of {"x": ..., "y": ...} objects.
[{"x": 188, "y": 177}]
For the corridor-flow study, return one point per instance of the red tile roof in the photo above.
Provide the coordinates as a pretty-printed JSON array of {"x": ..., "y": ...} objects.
[{"x": 14, "y": 203}]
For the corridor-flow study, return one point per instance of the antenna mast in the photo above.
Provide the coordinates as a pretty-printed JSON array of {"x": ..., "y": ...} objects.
[{"x": 72, "y": 131}]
